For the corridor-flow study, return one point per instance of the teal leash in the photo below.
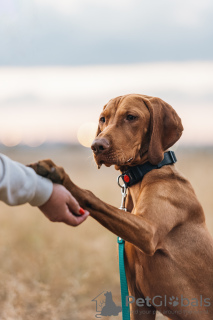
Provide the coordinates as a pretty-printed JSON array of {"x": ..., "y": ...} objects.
[
  {"x": 121, "y": 253},
  {"x": 123, "y": 281}
]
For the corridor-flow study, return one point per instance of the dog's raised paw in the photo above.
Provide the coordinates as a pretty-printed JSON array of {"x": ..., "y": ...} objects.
[{"x": 48, "y": 169}]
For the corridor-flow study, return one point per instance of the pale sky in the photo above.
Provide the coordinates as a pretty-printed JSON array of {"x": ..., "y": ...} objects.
[
  {"x": 61, "y": 61},
  {"x": 51, "y": 103},
  {"x": 76, "y": 32}
]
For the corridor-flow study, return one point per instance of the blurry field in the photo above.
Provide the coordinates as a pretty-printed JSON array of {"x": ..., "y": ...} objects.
[{"x": 52, "y": 271}]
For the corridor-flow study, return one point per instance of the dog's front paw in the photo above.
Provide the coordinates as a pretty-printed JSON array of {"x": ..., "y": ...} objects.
[{"x": 48, "y": 169}]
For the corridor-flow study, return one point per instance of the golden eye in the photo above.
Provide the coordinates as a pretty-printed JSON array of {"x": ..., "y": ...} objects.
[{"x": 102, "y": 119}]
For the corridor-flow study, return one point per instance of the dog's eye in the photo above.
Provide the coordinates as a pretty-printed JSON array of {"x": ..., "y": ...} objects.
[
  {"x": 130, "y": 117},
  {"x": 102, "y": 119}
]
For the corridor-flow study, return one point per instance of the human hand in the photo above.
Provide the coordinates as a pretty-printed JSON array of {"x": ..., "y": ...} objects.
[{"x": 61, "y": 206}]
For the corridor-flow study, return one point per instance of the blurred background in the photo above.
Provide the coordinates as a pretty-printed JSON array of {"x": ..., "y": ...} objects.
[{"x": 60, "y": 62}]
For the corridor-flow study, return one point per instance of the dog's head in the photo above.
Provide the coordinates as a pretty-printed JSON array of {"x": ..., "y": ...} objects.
[{"x": 135, "y": 128}]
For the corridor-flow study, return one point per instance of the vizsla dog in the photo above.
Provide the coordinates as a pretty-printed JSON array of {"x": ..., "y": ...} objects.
[{"x": 168, "y": 249}]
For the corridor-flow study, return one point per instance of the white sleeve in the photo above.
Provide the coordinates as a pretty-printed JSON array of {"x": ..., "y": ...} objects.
[{"x": 20, "y": 184}]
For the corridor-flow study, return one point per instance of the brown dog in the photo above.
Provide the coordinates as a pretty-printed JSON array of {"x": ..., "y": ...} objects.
[{"x": 169, "y": 251}]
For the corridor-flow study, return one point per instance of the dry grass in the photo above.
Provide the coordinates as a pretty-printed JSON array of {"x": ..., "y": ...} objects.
[{"x": 52, "y": 271}]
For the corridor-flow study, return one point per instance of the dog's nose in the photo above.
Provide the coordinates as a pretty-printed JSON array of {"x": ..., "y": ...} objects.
[{"x": 100, "y": 145}]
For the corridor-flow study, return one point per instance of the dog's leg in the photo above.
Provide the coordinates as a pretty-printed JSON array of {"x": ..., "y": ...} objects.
[{"x": 131, "y": 228}]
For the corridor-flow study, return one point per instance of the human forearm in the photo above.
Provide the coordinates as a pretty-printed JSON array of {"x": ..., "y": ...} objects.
[{"x": 20, "y": 184}]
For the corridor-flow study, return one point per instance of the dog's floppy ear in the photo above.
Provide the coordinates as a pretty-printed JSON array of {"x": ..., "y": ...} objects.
[{"x": 165, "y": 128}]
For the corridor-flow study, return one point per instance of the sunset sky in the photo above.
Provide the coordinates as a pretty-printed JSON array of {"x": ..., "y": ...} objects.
[{"x": 60, "y": 62}]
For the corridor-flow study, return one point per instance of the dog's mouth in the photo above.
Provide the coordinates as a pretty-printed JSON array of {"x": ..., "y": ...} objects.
[
  {"x": 109, "y": 159},
  {"x": 101, "y": 160}
]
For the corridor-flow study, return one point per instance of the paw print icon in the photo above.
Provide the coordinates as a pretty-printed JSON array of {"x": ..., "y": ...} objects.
[{"x": 173, "y": 301}]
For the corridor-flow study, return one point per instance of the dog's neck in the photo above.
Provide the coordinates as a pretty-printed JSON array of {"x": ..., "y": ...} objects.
[
  {"x": 136, "y": 162},
  {"x": 135, "y": 174}
]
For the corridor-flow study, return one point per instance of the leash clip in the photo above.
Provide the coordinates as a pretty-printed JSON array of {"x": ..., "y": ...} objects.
[
  {"x": 123, "y": 193},
  {"x": 123, "y": 199}
]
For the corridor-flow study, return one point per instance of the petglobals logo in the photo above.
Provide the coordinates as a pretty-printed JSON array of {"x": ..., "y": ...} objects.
[
  {"x": 159, "y": 301},
  {"x": 105, "y": 306}
]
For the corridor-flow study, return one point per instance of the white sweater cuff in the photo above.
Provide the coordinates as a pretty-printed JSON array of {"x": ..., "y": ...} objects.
[
  {"x": 44, "y": 188},
  {"x": 20, "y": 184}
]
